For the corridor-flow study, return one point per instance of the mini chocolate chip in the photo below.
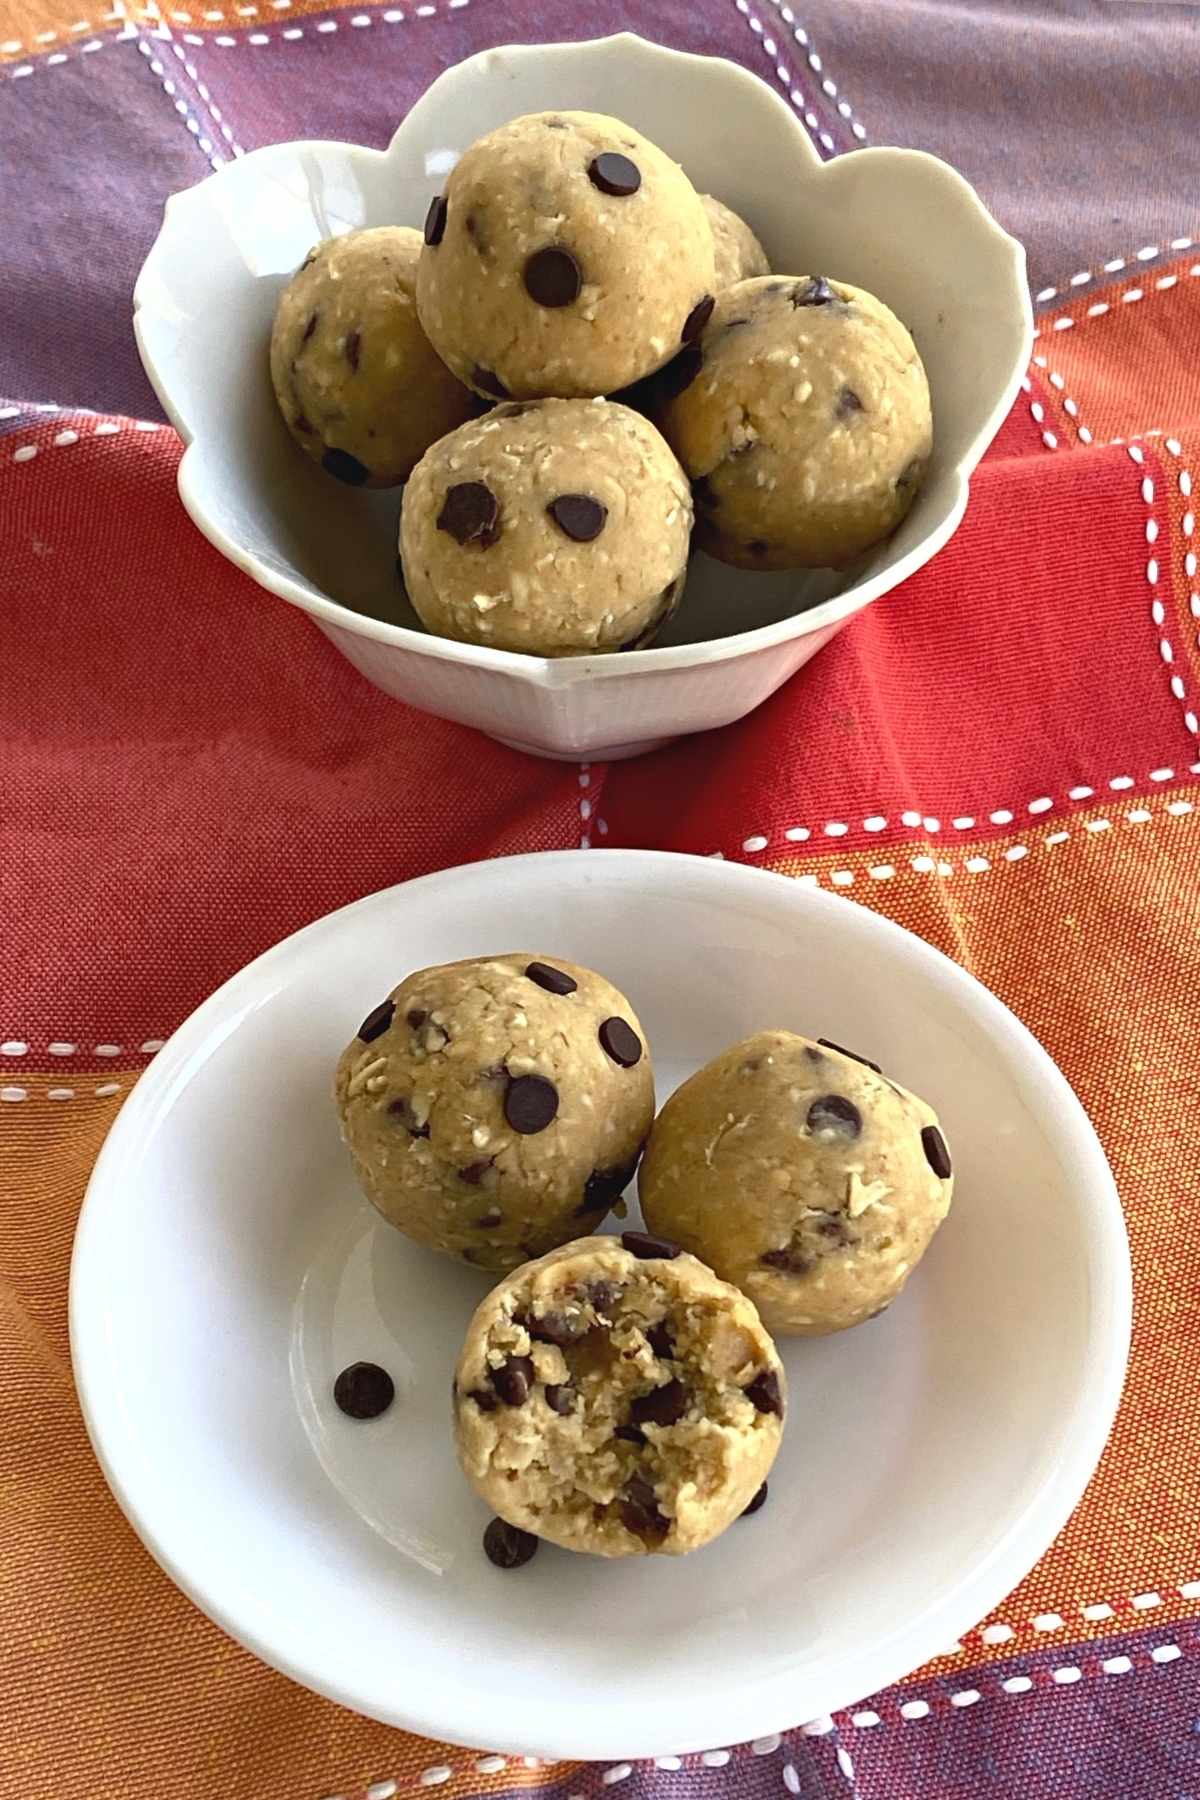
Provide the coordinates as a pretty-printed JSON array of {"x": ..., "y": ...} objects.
[
  {"x": 561, "y": 1398},
  {"x": 552, "y": 276},
  {"x": 828, "y": 1044},
  {"x": 661, "y": 1406},
  {"x": 309, "y": 328},
  {"x": 732, "y": 325},
  {"x": 790, "y": 1259},
  {"x": 848, "y": 403},
  {"x": 474, "y": 1172},
  {"x": 603, "y": 1186},
  {"x": 834, "y": 1226},
  {"x": 470, "y": 513},
  {"x": 435, "y": 221},
  {"x": 757, "y": 547},
  {"x": 309, "y": 259},
  {"x": 660, "y": 1340},
  {"x": 764, "y": 1391},
  {"x": 697, "y": 319},
  {"x": 621, "y": 1042},
  {"x": 681, "y": 371},
  {"x": 530, "y": 1104},
  {"x": 353, "y": 346},
  {"x": 508, "y": 1546},
  {"x": 614, "y": 174},
  {"x": 758, "y": 1502},
  {"x": 702, "y": 491},
  {"x": 557, "y": 1328},
  {"x": 490, "y": 1219},
  {"x": 578, "y": 516},
  {"x": 555, "y": 981},
  {"x": 416, "y": 1017},
  {"x": 834, "y": 1114},
  {"x": 347, "y": 468},
  {"x": 377, "y": 1021},
  {"x": 630, "y": 1434},
  {"x": 639, "y": 1511},
  {"x": 513, "y": 1380},
  {"x": 484, "y": 1401},
  {"x": 364, "y": 1390},
  {"x": 879, "y": 1310},
  {"x": 489, "y": 382},
  {"x": 910, "y": 474},
  {"x": 815, "y": 292},
  {"x": 302, "y": 424},
  {"x": 604, "y": 1295},
  {"x": 937, "y": 1155},
  {"x": 647, "y": 1248},
  {"x": 556, "y": 124},
  {"x": 402, "y": 1108}
]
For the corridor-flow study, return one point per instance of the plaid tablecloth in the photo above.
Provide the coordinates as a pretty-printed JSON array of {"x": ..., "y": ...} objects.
[{"x": 1002, "y": 755}]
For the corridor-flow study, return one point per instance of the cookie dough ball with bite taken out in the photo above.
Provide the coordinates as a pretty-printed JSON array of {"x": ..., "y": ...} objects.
[
  {"x": 616, "y": 1397},
  {"x": 567, "y": 255},
  {"x": 800, "y": 1172},
  {"x": 737, "y": 252},
  {"x": 496, "y": 1107},
  {"x": 360, "y": 387}
]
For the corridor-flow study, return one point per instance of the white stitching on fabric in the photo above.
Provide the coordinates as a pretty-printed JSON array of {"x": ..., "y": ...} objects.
[
  {"x": 828, "y": 87},
  {"x": 585, "y": 806},
  {"x": 789, "y": 83},
  {"x": 324, "y": 27},
  {"x": 1166, "y": 649},
  {"x": 191, "y": 123},
  {"x": 1113, "y": 266},
  {"x": 1126, "y": 297}
]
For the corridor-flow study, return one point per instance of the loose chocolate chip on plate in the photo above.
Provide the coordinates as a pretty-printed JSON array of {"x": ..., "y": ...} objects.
[
  {"x": 848, "y": 403},
  {"x": 530, "y": 1104},
  {"x": 681, "y": 371},
  {"x": 364, "y": 1390},
  {"x": 764, "y": 1391},
  {"x": 937, "y": 1154},
  {"x": 578, "y": 516},
  {"x": 555, "y": 981},
  {"x": 661, "y": 1406},
  {"x": 552, "y": 277},
  {"x": 697, "y": 319},
  {"x": 513, "y": 1380},
  {"x": 489, "y": 382},
  {"x": 758, "y": 1502},
  {"x": 353, "y": 346},
  {"x": 561, "y": 1398},
  {"x": 347, "y": 468},
  {"x": 815, "y": 292},
  {"x": 828, "y": 1044},
  {"x": 614, "y": 174},
  {"x": 835, "y": 1116},
  {"x": 309, "y": 328},
  {"x": 603, "y": 1186},
  {"x": 660, "y": 1340},
  {"x": 639, "y": 1511},
  {"x": 470, "y": 513},
  {"x": 507, "y": 1545},
  {"x": 620, "y": 1041},
  {"x": 647, "y": 1248},
  {"x": 377, "y": 1021},
  {"x": 631, "y": 1434},
  {"x": 435, "y": 221},
  {"x": 484, "y": 1401}
]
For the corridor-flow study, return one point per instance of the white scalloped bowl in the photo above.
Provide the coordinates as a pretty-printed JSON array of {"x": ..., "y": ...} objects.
[{"x": 898, "y": 222}]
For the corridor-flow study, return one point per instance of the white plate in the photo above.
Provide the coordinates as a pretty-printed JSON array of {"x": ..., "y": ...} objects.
[{"x": 225, "y": 1269}]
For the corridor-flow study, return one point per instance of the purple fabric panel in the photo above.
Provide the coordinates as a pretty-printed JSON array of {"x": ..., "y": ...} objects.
[
  {"x": 1075, "y": 119},
  {"x": 358, "y": 83},
  {"x": 90, "y": 148}
]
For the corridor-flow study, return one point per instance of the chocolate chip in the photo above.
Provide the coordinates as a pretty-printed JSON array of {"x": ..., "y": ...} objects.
[
  {"x": 552, "y": 277},
  {"x": 508, "y": 1546},
  {"x": 513, "y": 1380},
  {"x": 470, "y": 513},
  {"x": 790, "y": 1259},
  {"x": 302, "y": 424},
  {"x": 619, "y": 1040},
  {"x": 377, "y": 1021},
  {"x": 416, "y": 1017},
  {"x": 557, "y": 1328},
  {"x": 309, "y": 328},
  {"x": 828, "y": 1044},
  {"x": 681, "y": 371},
  {"x": 661, "y": 1406},
  {"x": 834, "y": 1114},
  {"x": 765, "y": 1393},
  {"x": 484, "y": 1401},
  {"x": 530, "y": 1104},
  {"x": 815, "y": 292},
  {"x": 556, "y": 125},
  {"x": 660, "y": 1340},
  {"x": 435, "y": 221},
  {"x": 490, "y": 1219},
  {"x": 364, "y": 1390},
  {"x": 848, "y": 403},
  {"x": 631, "y": 1434},
  {"x": 702, "y": 491},
  {"x": 604, "y": 1295},
  {"x": 603, "y": 1186},
  {"x": 309, "y": 259},
  {"x": 697, "y": 319},
  {"x": 937, "y": 1154},
  {"x": 757, "y": 547},
  {"x": 647, "y": 1248},
  {"x": 578, "y": 516},
  {"x": 561, "y": 1398},
  {"x": 833, "y": 1227},
  {"x": 910, "y": 474},
  {"x": 732, "y": 325},
  {"x": 555, "y": 981},
  {"x": 489, "y": 382},
  {"x": 758, "y": 1502},
  {"x": 474, "y": 1172},
  {"x": 347, "y": 468},
  {"x": 638, "y": 1507},
  {"x": 402, "y": 1108},
  {"x": 352, "y": 347},
  {"x": 614, "y": 174}
]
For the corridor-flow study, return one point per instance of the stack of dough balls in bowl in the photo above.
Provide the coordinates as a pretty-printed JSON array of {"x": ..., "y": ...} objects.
[
  {"x": 581, "y": 359},
  {"x": 623, "y": 1395}
]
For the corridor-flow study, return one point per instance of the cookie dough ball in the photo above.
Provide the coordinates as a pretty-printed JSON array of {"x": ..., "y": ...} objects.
[
  {"x": 359, "y": 385},
  {"x": 616, "y": 1397},
  {"x": 556, "y": 527},
  {"x": 495, "y": 1108},
  {"x": 568, "y": 255},
  {"x": 804, "y": 1175},
  {"x": 737, "y": 252},
  {"x": 803, "y": 417}
]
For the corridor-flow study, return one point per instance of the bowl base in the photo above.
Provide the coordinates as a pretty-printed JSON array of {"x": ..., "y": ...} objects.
[{"x": 611, "y": 752}]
